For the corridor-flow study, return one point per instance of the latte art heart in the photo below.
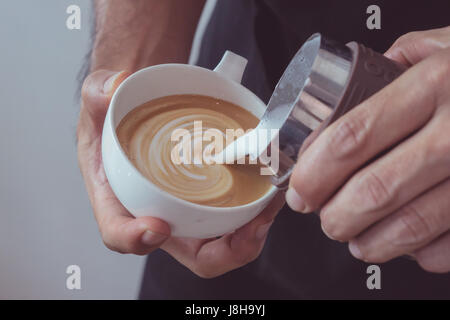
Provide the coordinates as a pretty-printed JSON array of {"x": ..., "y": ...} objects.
[{"x": 146, "y": 135}]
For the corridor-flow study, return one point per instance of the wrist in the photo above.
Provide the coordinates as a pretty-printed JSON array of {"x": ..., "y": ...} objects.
[
  {"x": 131, "y": 36},
  {"x": 135, "y": 54}
]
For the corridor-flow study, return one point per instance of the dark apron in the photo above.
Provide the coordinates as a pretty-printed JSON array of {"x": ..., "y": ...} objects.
[{"x": 298, "y": 261}]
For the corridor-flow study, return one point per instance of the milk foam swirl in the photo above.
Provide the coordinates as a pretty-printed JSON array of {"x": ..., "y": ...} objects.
[{"x": 145, "y": 134}]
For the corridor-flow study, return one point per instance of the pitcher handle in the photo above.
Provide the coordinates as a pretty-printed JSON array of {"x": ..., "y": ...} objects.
[{"x": 232, "y": 66}]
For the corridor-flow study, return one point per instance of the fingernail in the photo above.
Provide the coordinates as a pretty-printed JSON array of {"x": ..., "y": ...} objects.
[
  {"x": 262, "y": 230},
  {"x": 109, "y": 83},
  {"x": 354, "y": 250},
  {"x": 294, "y": 201},
  {"x": 150, "y": 238},
  {"x": 326, "y": 233}
]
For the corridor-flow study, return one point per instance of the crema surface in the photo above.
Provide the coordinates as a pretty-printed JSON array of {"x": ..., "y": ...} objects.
[{"x": 151, "y": 136}]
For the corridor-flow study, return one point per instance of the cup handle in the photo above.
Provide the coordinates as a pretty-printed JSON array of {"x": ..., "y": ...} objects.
[{"x": 232, "y": 66}]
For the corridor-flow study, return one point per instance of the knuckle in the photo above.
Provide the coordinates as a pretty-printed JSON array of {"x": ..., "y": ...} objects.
[
  {"x": 350, "y": 135},
  {"x": 406, "y": 40},
  {"x": 439, "y": 69},
  {"x": 375, "y": 191},
  {"x": 408, "y": 37},
  {"x": 88, "y": 83},
  {"x": 92, "y": 90},
  {"x": 413, "y": 228}
]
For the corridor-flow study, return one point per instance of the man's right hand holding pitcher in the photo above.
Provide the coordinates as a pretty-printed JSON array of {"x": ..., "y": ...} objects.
[{"x": 380, "y": 175}]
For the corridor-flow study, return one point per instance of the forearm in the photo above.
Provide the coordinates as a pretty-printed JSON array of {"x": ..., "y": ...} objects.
[{"x": 130, "y": 35}]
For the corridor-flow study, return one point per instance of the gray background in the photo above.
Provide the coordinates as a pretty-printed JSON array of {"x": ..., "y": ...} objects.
[{"x": 46, "y": 221}]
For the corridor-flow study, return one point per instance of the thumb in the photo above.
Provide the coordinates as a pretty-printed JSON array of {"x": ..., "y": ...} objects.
[{"x": 97, "y": 91}]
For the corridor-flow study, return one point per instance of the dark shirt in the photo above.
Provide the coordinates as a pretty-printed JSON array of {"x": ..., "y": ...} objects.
[{"x": 298, "y": 260}]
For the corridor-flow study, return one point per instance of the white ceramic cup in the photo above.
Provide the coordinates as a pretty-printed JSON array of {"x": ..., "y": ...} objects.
[{"x": 140, "y": 196}]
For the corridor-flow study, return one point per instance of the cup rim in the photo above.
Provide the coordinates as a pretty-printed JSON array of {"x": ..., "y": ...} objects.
[{"x": 111, "y": 119}]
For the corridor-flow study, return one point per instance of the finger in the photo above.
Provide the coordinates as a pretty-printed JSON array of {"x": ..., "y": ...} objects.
[
  {"x": 125, "y": 234},
  {"x": 120, "y": 231},
  {"x": 393, "y": 180},
  {"x": 252, "y": 235},
  {"x": 215, "y": 257},
  {"x": 361, "y": 134},
  {"x": 435, "y": 257},
  {"x": 96, "y": 94},
  {"x": 413, "y": 47},
  {"x": 410, "y": 228}
]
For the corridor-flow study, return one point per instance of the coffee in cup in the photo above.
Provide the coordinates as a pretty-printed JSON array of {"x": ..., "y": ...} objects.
[{"x": 146, "y": 134}]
